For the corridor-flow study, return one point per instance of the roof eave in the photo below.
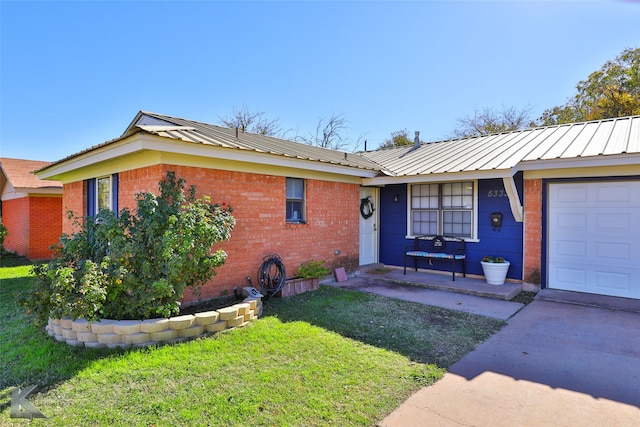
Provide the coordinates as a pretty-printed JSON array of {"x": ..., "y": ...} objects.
[
  {"x": 580, "y": 162},
  {"x": 441, "y": 177},
  {"x": 142, "y": 141}
]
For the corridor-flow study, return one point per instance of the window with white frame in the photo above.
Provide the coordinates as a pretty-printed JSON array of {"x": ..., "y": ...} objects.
[
  {"x": 295, "y": 200},
  {"x": 443, "y": 208},
  {"x": 103, "y": 193}
]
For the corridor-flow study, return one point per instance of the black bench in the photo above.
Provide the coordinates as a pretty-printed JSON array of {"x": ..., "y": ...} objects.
[{"x": 437, "y": 247}]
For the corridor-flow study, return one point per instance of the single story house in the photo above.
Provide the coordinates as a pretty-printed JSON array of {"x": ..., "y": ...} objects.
[
  {"x": 290, "y": 199},
  {"x": 566, "y": 197},
  {"x": 31, "y": 208}
]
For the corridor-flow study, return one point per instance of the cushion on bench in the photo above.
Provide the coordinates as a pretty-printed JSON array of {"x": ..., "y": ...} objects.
[{"x": 435, "y": 255}]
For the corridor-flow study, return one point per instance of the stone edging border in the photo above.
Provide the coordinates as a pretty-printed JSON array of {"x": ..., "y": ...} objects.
[{"x": 109, "y": 333}]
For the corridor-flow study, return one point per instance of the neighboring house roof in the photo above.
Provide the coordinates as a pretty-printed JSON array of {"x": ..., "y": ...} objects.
[
  {"x": 603, "y": 140},
  {"x": 17, "y": 178},
  {"x": 220, "y": 142}
]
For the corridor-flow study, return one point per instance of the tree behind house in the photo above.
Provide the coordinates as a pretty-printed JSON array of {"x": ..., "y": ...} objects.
[{"x": 612, "y": 91}]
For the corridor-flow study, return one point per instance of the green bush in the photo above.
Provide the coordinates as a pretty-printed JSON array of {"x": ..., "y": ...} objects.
[
  {"x": 312, "y": 269},
  {"x": 3, "y": 233},
  {"x": 134, "y": 266}
]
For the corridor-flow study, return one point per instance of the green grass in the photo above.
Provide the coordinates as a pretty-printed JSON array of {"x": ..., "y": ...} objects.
[
  {"x": 330, "y": 357},
  {"x": 422, "y": 333}
]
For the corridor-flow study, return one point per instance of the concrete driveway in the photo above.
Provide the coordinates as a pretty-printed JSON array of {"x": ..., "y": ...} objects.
[{"x": 554, "y": 364}]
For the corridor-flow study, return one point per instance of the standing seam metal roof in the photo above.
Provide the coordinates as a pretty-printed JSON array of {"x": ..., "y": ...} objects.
[
  {"x": 506, "y": 150},
  {"x": 207, "y": 134}
]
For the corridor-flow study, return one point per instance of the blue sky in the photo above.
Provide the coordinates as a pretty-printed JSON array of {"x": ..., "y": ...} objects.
[{"x": 74, "y": 74}]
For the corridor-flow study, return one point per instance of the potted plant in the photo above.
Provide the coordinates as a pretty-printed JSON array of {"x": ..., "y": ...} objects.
[
  {"x": 307, "y": 278},
  {"x": 495, "y": 269}
]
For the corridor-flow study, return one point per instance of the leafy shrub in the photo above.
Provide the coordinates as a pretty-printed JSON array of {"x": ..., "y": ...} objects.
[
  {"x": 312, "y": 269},
  {"x": 3, "y": 233},
  {"x": 494, "y": 259},
  {"x": 134, "y": 266}
]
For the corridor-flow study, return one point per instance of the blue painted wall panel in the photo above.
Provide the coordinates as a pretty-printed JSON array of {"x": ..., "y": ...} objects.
[{"x": 507, "y": 241}]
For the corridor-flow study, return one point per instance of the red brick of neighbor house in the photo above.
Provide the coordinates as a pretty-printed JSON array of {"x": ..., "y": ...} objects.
[
  {"x": 34, "y": 224},
  {"x": 31, "y": 209},
  {"x": 533, "y": 229},
  {"x": 15, "y": 217},
  {"x": 45, "y": 224},
  {"x": 258, "y": 203}
]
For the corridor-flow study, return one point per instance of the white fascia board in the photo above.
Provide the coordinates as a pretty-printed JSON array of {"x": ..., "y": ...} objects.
[
  {"x": 40, "y": 190},
  {"x": 581, "y": 162},
  {"x": 12, "y": 194},
  {"x": 250, "y": 156},
  {"x": 440, "y": 177},
  {"x": 20, "y": 192},
  {"x": 116, "y": 149},
  {"x": 143, "y": 142}
]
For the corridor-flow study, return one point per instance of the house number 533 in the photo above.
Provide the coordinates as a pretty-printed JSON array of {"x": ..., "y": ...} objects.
[{"x": 497, "y": 193}]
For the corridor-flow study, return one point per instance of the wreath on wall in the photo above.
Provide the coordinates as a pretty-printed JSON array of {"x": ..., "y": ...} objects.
[{"x": 366, "y": 207}]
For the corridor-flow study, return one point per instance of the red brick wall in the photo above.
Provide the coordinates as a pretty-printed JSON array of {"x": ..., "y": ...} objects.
[
  {"x": 15, "y": 217},
  {"x": 532, "y": 230},
  {"x": 136, "y": 181},
  {"x": 45, "y": 225},
  {"x": 74, "y": 199},
  {"x": 34, "y": 224},
  {"x": 258, "y": 201}
]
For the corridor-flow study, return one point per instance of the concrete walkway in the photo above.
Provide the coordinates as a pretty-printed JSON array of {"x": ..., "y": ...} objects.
[
  {"x": 491, "y": 307},
  {"x": 555, "y": 364}
]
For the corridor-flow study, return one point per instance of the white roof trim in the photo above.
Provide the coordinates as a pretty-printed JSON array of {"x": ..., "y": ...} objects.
[
  {"x": 145, "y": 142},
  {"x": 581, "y": 162},
  {"x": 439, "y": 177}
]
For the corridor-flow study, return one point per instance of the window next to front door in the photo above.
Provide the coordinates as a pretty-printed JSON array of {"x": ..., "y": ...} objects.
[{"x": 442, "y": 208}]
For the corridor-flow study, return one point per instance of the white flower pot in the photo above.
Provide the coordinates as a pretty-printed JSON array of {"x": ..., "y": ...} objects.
[{"x": 495, "y": 272}]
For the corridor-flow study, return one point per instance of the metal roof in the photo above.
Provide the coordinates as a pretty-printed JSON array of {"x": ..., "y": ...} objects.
[
  {"x": 216, "y": 136},
  {"x": 505, "y": 151},
  {"x": 501, "y": 153},
  {"x": 208, "y": 134}
]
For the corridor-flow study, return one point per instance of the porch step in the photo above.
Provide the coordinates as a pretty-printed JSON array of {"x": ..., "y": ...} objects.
[{"x": 443, "y": 282}]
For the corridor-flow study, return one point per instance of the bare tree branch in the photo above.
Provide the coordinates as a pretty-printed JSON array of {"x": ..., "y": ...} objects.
[
  {"x": 255, "y": 122},
  {"x": 328, "y": 133}
]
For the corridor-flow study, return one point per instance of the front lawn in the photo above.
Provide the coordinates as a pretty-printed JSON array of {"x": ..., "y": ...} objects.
[{"x": 330, "y": 357}]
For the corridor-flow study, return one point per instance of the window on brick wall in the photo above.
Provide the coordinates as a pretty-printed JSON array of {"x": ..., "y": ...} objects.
[
  {"x": 102, "y": 193},
  {"x": 295, "y": 200},
  {"x": 444, "y": 208}
]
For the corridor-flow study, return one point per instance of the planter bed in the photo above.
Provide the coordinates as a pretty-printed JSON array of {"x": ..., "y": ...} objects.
[
  {"x": 298, "y": 286},
  {"x": 108, "y": 333}
]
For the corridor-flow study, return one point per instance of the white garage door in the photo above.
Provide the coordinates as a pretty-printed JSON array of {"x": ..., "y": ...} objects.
[{"x": 594, "y": 237}]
